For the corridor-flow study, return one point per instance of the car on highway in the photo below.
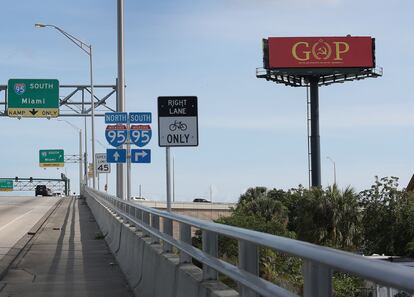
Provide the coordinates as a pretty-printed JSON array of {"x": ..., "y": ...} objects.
[
  {"x": 136, "y": 198},
  {"x": 202, "y": 200},
  {"x": 42, "y": 190}
]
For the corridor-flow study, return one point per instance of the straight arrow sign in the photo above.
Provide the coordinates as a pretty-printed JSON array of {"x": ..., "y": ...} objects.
[{"x": 116, "y": 155}]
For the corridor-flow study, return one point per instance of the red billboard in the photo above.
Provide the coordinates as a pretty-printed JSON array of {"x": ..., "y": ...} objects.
[{"x": 319, "y": 52}]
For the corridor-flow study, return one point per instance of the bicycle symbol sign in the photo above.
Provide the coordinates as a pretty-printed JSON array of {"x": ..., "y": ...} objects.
[
  {"x": 177, "y": 121},
  {"x": 178, "y": 125}
]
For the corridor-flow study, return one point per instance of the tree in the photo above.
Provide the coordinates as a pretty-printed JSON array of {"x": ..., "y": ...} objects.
[
  {"x": 255, "y": 211},
  {"x": 388, "y": 216},
  {"x": 326, "y": 217},
  {"x": 379, "y": 219}
]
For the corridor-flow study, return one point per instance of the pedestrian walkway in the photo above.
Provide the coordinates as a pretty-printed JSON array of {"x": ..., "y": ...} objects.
[{"x": 67, "y": 257}]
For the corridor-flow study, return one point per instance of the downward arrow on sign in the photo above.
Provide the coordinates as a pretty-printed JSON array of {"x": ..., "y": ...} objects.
[{"x": 33, "y": 111}]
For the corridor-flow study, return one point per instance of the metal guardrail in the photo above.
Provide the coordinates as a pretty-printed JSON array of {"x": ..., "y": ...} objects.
[{"x": 319, "y": 262}]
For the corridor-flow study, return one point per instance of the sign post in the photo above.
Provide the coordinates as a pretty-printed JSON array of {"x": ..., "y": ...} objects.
[
  {"x": 51, "y": 158},
  {"x": 33, "y": 98},
  {"x": 177, "y": 126}
]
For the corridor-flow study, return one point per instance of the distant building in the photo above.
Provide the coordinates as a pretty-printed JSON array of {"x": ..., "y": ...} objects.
[
  {"x": 204, "y": 211},
  {"x": 410, "y": 187}
]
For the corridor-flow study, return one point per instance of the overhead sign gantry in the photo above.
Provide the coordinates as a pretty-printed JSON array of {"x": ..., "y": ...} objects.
[{"x": 313, "y": 62}]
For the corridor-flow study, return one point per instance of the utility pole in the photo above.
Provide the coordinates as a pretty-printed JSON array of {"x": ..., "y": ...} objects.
[
  {"x": 334, "y": 168},
  {"x": 120, "y": 101}
]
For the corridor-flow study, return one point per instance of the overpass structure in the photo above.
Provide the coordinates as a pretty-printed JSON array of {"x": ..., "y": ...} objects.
[
  {"x": 157, "y": 264},
  {"x": 64, "y": 254}
]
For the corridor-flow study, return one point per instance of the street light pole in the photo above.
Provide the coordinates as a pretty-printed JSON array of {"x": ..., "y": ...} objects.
[
  {"x": 93, "y": 119},
  {"x": 87, "y": 48},
  {"x": 334, "y": 168},
  {"x": 80, "y": 161},
  {"x": 86, "y": 154},
  {"x": 120, "y": 101},
  {"x": 80, "y": 151}
]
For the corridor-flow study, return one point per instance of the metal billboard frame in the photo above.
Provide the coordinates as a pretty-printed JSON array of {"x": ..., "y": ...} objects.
[{"x": 312, "y": 79}]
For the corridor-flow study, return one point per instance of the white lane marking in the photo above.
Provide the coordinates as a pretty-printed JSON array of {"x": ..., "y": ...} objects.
[{"x": 19, "y": 217}]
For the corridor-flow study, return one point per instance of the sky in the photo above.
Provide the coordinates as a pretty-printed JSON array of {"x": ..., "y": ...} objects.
[{"x": 251, "y": 132}]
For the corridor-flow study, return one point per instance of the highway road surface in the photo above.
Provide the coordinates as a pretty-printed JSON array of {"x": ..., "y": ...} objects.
[{"x": 18, "y": 215}]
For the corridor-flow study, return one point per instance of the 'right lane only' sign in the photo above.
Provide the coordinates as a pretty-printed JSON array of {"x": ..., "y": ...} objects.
[{"x": 177, "y": 121}]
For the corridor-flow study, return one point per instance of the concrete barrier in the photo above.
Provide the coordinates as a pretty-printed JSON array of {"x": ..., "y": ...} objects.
[{"x": 149, "y": 271}]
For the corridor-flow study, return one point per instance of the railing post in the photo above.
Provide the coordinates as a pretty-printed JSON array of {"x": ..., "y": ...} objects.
[
  {"x": 127, "y": 213},
  {"x": 317, "y": 280},
  {"x": 168, "y": 229},
  {"x": 139, "y": 217},
  {"x": 155, "y": 223},
  {"x": 210, "y": 246},
  {"x": 146, "y": 221},
  {"x": 122, "y": 210},
  {"x": 248, "y": 261},
  {"x": 185, "y": 236}
]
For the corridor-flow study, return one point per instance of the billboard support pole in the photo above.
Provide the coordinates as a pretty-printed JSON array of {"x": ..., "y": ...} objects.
[
  {"x": 315, "y": 138},
  {"x": 313, "y": 62}
]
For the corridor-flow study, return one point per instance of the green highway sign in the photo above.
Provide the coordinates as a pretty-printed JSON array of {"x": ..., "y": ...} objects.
[
  {"x": 51, "y": 158},
  {"x": 6, "y": 185},
  {"x": 34, "y": 98}
]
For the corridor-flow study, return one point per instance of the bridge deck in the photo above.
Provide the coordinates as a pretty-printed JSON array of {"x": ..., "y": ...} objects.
[{"x": 66, "y": 258}]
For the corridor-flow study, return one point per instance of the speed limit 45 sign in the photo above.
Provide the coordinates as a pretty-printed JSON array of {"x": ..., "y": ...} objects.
[{"x": 101, "y": 165}]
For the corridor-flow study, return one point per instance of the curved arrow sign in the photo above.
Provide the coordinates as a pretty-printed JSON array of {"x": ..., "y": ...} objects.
[{"x": 140, "y": 156}]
